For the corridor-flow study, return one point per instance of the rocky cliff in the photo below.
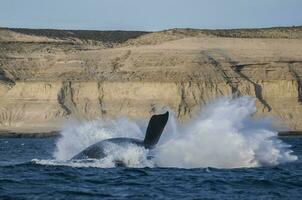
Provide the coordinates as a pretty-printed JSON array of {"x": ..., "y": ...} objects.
[{"x": 48, "y": 76}]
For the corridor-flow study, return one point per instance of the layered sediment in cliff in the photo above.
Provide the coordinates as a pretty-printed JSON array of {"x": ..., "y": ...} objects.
[{"x": 46, "y": 79}]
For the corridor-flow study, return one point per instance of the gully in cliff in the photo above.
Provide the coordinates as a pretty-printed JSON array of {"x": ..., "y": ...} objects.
[{"x": 155, "y": 128}]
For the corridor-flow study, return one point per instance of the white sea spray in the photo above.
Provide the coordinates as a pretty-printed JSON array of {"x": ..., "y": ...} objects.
[{"x": 222, "y": 135}]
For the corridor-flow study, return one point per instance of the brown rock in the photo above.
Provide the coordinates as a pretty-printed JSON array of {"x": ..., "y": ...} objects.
[{"x": 48, "y": 78}]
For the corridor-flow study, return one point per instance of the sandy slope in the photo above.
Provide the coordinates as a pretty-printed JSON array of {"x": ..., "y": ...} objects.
[{"x": 48, "y": 77}]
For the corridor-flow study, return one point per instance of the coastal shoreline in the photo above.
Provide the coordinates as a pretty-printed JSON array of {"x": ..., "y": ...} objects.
[
  {"x": 7, "y": 134},
  {"x": 289, "y": 133},
  {"x": 50, "y": 76}
]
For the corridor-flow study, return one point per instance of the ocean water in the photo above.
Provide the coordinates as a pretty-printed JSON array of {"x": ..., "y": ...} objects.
[{"x": 222, "y": 153}]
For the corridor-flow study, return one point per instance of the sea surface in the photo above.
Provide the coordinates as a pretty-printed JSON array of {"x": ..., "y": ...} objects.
[
  {"x": 221, "y": 153},
  {"x": 23, "y": 178}
]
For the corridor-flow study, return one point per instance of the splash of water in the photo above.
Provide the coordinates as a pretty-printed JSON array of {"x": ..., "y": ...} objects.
[
  {"x": 76, "y": 136},
  {"x": 222, "y": 135},
  {"x": 131, "y": 156}
]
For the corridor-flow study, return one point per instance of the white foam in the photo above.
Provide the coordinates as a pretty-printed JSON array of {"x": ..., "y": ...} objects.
[
  {"x": 130, "y": 155},
  {"x": 76, "y": 136},
  {"x": 222, "y": 135}
]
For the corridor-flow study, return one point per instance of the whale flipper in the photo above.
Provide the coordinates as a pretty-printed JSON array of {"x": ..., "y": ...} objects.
[{"x": 155, "y": 128}]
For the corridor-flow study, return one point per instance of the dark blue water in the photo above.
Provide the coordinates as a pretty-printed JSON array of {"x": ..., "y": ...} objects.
[{"x": 22, "y": 179}]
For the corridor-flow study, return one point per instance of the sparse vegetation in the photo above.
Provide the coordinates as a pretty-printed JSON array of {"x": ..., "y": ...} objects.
[{"x": 100, "y": 36}]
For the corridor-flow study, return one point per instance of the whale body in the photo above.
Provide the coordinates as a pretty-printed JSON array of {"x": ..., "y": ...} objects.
[{"x": 154, "y": 130}]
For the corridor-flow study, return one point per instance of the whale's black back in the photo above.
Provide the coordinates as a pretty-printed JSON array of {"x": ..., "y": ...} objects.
[{"x": 155, "y": 128}]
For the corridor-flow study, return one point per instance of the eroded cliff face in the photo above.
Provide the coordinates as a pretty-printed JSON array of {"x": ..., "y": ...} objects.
[{"x": 46, "y": 81}]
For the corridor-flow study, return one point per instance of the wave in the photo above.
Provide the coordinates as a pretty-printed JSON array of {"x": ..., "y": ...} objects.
[{"x": 222, "y": 135}]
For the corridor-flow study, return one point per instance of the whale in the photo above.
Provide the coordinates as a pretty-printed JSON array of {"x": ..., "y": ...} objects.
[{"x": 154, "y": 131}]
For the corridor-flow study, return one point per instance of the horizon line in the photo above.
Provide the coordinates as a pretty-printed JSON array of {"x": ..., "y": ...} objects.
[{"x": 135, "y": 30}]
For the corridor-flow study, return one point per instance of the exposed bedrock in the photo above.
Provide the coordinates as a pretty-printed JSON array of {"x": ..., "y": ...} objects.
[{"x": 45, "y": 81}]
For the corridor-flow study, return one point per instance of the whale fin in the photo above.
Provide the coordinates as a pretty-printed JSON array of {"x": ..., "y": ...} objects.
[{"x": 155, "y": 128}]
